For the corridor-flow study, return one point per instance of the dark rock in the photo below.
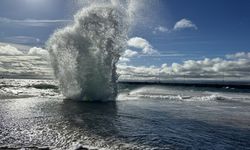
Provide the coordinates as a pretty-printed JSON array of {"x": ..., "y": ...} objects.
[{"x": 82, "y": 148}]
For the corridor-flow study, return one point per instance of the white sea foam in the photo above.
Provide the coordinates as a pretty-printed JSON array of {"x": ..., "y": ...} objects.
[
  {"x": 180, "y": 97},
  {"x": 166, "y": 93},
  {"x": 84, "y": 55}
]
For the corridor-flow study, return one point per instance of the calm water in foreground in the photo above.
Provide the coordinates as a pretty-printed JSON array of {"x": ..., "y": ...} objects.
[{"x": 34, "y": 115}]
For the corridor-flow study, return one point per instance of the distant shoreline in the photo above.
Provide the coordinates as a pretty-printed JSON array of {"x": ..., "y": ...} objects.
[
  {"x": 240, "y": 84},
  {"x": 197, "y": 83}
]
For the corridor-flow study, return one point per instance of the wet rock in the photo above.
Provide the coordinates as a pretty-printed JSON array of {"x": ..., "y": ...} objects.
[{"x": 82, "y": 148}]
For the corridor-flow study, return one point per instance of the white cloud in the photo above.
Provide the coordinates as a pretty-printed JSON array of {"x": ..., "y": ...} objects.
[
  {"x": 36, "y": 51},
  {"x": 239, "y": 55},
  {"x": 32, "y": 22},
  {"x": 20, "y": 47},
  {"x": 129, "y": 53},
  {"x": 124, "y": 59},
  {"x": 184, "y": 24},
  {"x": 134, "y": 71},
  {"x": 25, "y": 67},
  {"x": 9, "y": 50},
  {"x": 206, "y": 68},
  {"x": 160, "y": 29},
  {"x": 140, "y": 43}
]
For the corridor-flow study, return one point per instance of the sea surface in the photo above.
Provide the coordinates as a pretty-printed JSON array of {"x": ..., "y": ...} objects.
[{"x": 34, "y": 115}]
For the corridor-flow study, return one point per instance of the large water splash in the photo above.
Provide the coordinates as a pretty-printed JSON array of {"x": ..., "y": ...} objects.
[{"x": 84, "y": 55}]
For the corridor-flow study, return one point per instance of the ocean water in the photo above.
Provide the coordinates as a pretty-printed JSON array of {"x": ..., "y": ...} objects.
[{"x": 35, "y": 115}]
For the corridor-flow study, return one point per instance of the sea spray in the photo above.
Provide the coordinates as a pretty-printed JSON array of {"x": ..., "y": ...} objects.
[{"x": 84, "y": 54}]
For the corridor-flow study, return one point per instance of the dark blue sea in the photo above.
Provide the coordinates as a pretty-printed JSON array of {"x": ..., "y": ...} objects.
[{"x": 34, "y": 115}]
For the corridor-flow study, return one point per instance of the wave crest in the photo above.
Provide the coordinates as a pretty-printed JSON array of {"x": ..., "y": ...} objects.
[{"x": 84, "y": 55}]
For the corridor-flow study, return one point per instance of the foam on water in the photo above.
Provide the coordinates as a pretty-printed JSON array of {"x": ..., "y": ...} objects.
[
  {"x": 24, "y": 88},
  {"x": 84, "y": 55},
  {"x": 185, "y": 94}
]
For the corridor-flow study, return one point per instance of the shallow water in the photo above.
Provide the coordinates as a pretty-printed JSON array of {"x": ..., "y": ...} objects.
[{"x": 143, "y": 117}]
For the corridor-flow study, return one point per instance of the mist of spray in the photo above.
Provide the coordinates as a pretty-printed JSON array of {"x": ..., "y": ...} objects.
[{"x": 84, "y": 54}]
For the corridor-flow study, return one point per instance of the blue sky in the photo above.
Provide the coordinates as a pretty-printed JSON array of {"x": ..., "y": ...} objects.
[{"x": 221, "y": 26}]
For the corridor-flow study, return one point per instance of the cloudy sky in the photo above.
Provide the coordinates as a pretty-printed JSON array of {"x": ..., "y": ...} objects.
[{"x": 170, "y": 37}]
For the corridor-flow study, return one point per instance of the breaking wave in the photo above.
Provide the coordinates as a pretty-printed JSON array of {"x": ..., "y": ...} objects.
[
  {"x": 84, "y": 55},
  {"x": 172, "y": 97},
  {"x": 185, "y": 98},
  {"x": 161, "y": 93}
]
